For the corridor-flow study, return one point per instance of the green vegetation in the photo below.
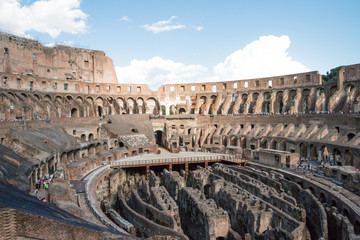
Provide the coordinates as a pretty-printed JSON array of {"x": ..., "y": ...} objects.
[
  {"x": 331, "y": 75},
  {"x": 163, "y": 110}
]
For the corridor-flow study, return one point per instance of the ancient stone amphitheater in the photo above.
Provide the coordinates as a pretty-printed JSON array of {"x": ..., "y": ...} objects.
[{"x": 197, "y": 161}]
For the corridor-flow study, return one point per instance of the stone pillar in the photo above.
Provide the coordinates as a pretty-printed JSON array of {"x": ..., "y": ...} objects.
[
  {"x": 147, "y": 172},
  {"x": 186, "y": 170}
]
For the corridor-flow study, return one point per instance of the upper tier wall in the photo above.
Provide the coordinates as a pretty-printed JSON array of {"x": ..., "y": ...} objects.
[
  {"x": 284, "y": 81},
  {"x": 29, "y": 57}
]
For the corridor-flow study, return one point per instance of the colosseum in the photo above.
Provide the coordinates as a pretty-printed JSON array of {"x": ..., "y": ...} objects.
[{"x": 84, "y": 157}]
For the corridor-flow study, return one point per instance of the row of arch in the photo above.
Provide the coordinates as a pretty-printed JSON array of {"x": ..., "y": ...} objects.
[{"x": 32, "y": 105}]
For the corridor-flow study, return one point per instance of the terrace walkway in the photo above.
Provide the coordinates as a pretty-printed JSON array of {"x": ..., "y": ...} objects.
[{"x": 183, "y": 159}]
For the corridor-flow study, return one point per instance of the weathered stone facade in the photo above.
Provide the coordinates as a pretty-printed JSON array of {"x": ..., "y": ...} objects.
[{"x": 63, "y": 113}]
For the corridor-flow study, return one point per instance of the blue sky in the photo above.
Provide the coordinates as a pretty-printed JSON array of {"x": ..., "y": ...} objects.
[{"x": 197, "y": 40}]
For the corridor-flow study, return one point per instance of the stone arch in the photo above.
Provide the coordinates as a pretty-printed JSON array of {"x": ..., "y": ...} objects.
[
  {"x": 332, "y": 91},
  {"x": 159, "y": 137},
  {"x": 305, "y": 106},
  {"x": 266, "y": 107},
  {"x": 132, "y": 106},
  {"x": 349, "y": 158},
  {"x": 255, "y": 96},
  {"x": 212, "y": 104},
  {"x": 91, "y": 137},
  {"x": 337, "y": 157},
  {"x": 98, "y": 148},
  {"x": 74, "y": 112},
  {"x": 182, "y": 111},
  {"x": 100, "y": 106},
  {"x": 47, "y": 97},
  {"x": 202, "y": 104},
  {"x": 172, "y": 110},
  {"x": 244, "y": 97},
  {"x": 122, "y": 105},
  {"x": 163, "y": 110},
  {"x": 141, "y": 105},
  {"x": 282, "y": 145},
  {"x": 273, "y": 144},
  {"x": 37, "y": 96},
  {"x": 91, "y": 149},
  {"x": 152, "y": 106},
  {"x": 303, "y": 150},
  {"x": 313, "y": 152},
  {"x": 263, "y": 143},
  {"x": 291, "y": 99},
  {"x": 350, "y": 136},
  {"x": 83, "y": 137}
]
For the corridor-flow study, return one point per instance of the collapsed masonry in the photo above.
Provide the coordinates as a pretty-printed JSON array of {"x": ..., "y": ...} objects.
[{"x": 225, "y": 202}]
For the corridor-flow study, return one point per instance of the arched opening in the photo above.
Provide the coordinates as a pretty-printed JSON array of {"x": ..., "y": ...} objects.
[
  {"x": 253, "y": 103},
  {"x": 263, "y": 143},
  {"x": 100, "y": 111},
  {"x": 273, "y": 144},
  {"x": 303, "y": 150},
  {"x": 212, "y": 104},
  {"x": 172, "y": 110},
  {"x": 243, "y": 103},
  {"x": 134, "y": 130},
  {"x": 337, "y": 157},
  {"x": 350, "y": 136},
  {"x": 159, "y": 137},
  {"x": 202, "y": 105},
  {"x": 163, "y": 110},
  {"x": 349, "y": 158},
  {"x": 283, "y": 145},
  {"x": 91, "y": 150},
  {"x": 83, "y": 137},
  {"x": 182, "y": 111},
  {"x": 91, "y": 137},
  {"x": 281, "y": 103},
  {"x": 333, "y": 90},
  {"x": 305, "y": 101},
  {"x": 74, "y": 112},
  {"x": 98, "y": 148},
  {"x": 121, "y": 144},
  {"x": 313, "y": 152}
]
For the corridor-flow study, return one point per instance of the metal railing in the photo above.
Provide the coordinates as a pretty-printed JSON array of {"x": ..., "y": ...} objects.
[{"x": 165, "y": 161}]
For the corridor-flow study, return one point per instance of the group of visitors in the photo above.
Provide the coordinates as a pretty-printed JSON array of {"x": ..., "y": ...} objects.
[{"x": 43, "y": 183}]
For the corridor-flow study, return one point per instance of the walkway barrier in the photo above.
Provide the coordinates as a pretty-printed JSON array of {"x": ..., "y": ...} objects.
[{"x": 182, "y": 160}]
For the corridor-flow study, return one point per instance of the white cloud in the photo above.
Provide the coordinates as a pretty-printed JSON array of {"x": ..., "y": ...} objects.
[
  {"x": 264, "y": 57},
  {"x": 163, "y": 26},
  {"x": 46, "y": 16},
  {"x": 125, "y": 19},
  {"x": 199, "y": 28},
  {"x": 157, "y": 71}
]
